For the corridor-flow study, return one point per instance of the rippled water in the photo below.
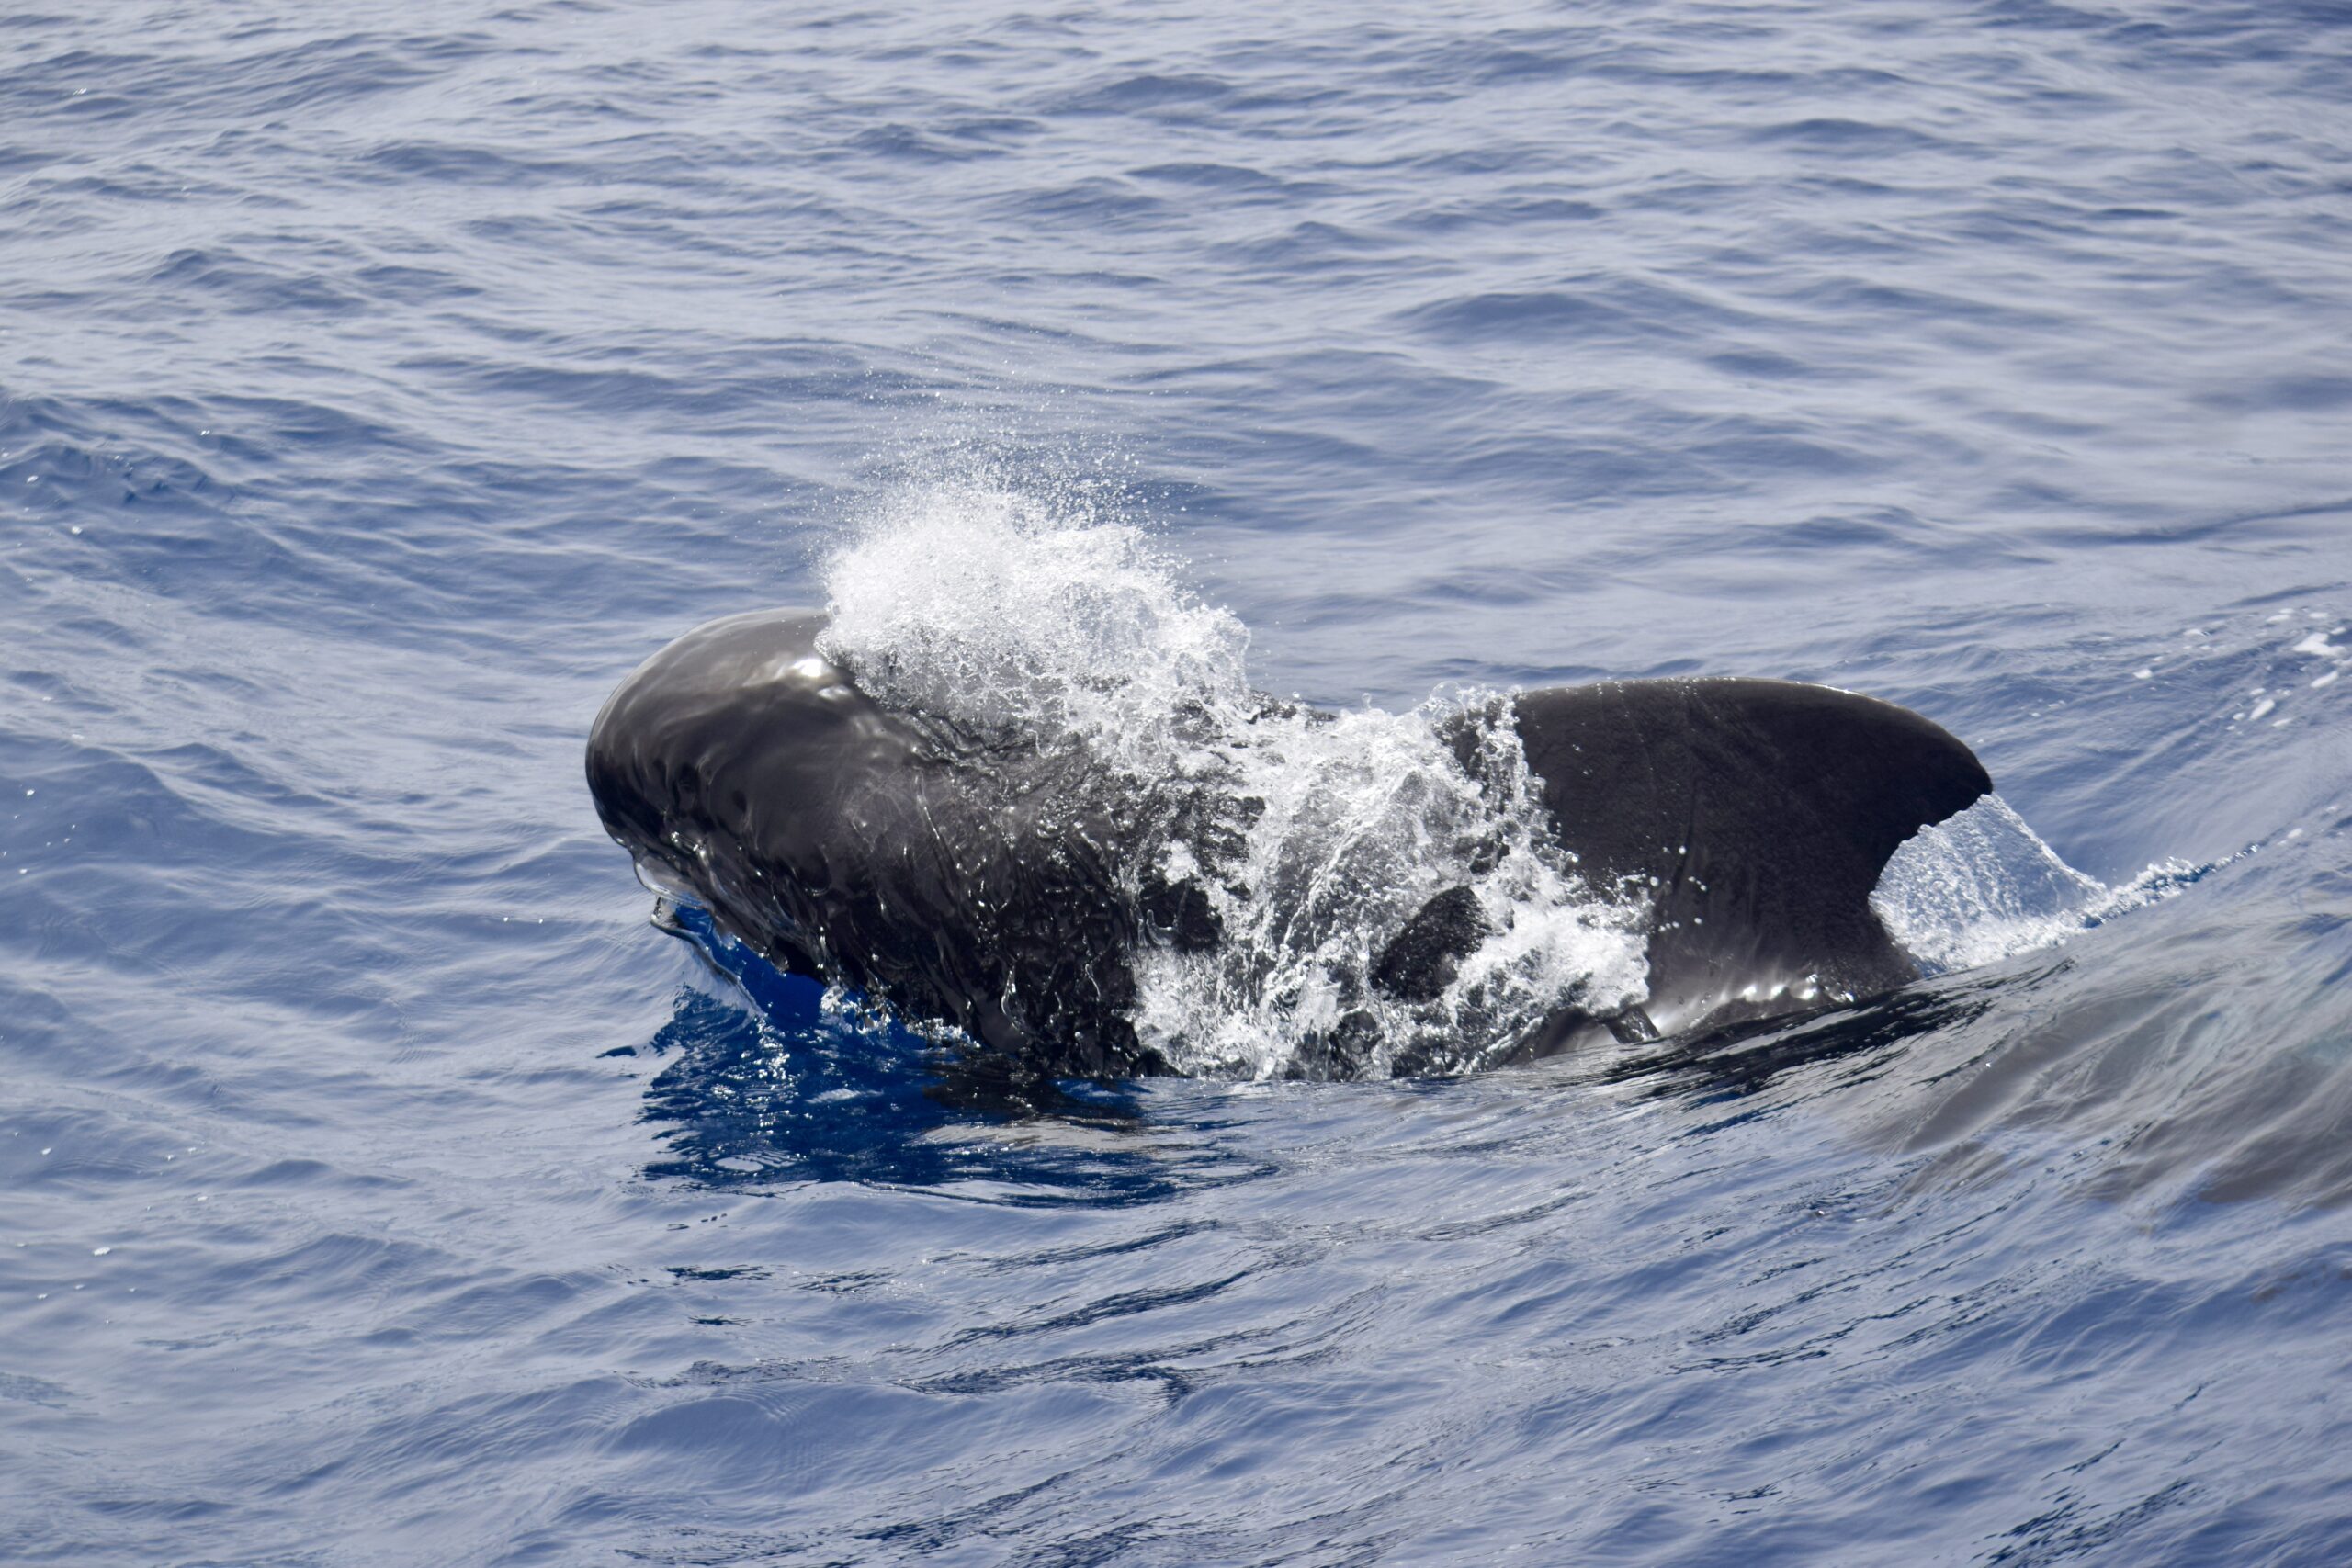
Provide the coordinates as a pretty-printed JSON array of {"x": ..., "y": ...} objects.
[{"x": 376, "y": 391}]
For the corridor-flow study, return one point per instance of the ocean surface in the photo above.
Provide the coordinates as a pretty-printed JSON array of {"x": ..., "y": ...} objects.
[{"x": 379, "y": 1185}]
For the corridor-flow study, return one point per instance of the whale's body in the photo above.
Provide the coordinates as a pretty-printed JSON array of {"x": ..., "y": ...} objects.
[{"x": 992, "y": 888}]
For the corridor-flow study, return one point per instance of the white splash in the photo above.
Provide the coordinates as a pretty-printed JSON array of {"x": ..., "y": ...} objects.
[
  {"x": 1035, "y": 619},
  {"x": 1017, "y": 613},
  {"x": 1982, "y": 885},
  {"x": 1367, "y": 817}
]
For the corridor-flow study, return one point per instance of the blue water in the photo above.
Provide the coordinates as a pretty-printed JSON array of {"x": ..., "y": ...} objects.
[{"x": 377, "y": 388}]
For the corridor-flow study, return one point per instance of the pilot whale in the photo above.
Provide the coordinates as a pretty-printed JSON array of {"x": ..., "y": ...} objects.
[{"x": 1004, "y": 890}]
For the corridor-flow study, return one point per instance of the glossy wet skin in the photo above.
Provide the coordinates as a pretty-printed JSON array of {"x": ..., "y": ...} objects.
[
  {"x": 842, "y": 840},
  {"x": 984, "y": 890},
  {"x": 740, "y": 733},
  {"x": 1759, "y": 816}
]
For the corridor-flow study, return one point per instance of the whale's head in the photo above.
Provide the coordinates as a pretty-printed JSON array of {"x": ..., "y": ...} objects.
[
  {"x": 731, "y": 757},
  {"x": 747, "y": 772}
]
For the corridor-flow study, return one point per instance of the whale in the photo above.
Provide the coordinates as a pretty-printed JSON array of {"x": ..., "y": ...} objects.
[{"x": 1003, "y": 893}]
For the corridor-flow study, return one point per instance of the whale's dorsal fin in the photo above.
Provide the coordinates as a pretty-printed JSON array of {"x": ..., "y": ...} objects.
[{"x": 1756, "y": 816}]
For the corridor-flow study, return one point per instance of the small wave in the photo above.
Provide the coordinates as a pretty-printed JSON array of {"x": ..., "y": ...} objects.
[{"x": 1982, "y": 885}]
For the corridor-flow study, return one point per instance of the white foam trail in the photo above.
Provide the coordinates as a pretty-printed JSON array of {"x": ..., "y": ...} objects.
[{"x": 1982, "y": 885}]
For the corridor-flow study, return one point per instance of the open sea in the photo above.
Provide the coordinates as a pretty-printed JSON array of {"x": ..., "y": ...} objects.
[{"x": 377, "y": 387}]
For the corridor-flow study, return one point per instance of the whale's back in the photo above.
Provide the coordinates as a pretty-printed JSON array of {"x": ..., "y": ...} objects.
[{"x": 1756, "y": 817}]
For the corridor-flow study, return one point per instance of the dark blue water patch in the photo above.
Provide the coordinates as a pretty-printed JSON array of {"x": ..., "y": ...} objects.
[
  {"x": 803, "y": 1086},
  {"x": 1602, "y": 311},
  {"x": 2316, "y": 393},
  {"x": 468, "y": 166},
  {"x": 1149, "y": 93},
  {"x": 1850, "y": 138},
  {"x": 246, "y": 288},
  {"x": 1091, "y": 203},
  {"x": 1764, "y": 364},
  {"x": 14, "y": 159},
  {"x": 1518, "y": 212},
  {"x": 903, "y": 142},
  {"x": 1322, "y": 246}
]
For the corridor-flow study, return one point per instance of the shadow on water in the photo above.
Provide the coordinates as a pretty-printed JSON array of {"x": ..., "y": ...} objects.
[
  {"x": 797, "y": 1086},
  {"x": 1745, "y": 1059}
]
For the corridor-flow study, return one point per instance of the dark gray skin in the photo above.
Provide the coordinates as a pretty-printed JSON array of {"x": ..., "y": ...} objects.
[{"x": 982, "y": 888}]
